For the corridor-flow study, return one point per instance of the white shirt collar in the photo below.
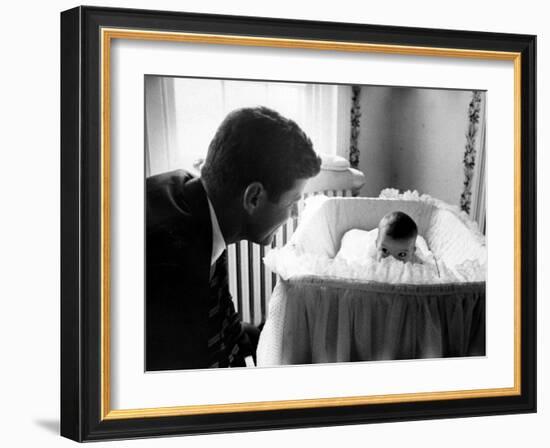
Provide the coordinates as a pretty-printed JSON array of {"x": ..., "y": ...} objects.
[{"x": 218, "y": 243}]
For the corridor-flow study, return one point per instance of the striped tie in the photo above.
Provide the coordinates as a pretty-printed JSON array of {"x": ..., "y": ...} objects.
[{"x": 224, "y": 323}]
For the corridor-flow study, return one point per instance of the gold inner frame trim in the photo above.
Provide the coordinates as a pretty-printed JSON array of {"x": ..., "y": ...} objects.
[{"x": 107, "y": 35}]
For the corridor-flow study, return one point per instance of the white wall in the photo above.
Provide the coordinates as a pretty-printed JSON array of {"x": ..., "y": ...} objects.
[
  {"x": 375, "y": 141},
  {"x": 29, "y": 228},
  {"x": 413, "y": 139},
  {"x": 429, "y": 140}
]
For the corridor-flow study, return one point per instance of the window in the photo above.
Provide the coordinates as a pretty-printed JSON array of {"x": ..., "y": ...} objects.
[{"x": 182, "y": 115}]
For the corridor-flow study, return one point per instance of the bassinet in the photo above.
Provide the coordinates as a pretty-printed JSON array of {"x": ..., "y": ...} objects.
[{"x": 318, "y": 315}]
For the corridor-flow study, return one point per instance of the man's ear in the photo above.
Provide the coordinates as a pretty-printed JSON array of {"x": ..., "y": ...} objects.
[{"x": 253, "y": 196}]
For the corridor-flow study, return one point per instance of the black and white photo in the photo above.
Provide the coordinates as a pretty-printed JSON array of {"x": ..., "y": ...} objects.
[{"x": 300, "y": 223}]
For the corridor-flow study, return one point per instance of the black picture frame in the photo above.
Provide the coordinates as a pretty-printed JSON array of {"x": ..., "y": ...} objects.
[{"x": 82, "y": 409}]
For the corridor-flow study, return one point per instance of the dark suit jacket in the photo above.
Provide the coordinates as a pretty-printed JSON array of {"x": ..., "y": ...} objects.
[{"x": 178, "y": 295}]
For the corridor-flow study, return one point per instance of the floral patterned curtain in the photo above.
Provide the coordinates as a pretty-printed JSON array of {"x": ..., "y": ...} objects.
[{"x": 355, "y": 125}]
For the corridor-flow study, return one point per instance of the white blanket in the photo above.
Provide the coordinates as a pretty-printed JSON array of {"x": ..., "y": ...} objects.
[{"x": 360, "y": 244}]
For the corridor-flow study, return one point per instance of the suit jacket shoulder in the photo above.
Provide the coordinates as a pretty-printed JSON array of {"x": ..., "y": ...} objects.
[{"x": 178, "y": 251}]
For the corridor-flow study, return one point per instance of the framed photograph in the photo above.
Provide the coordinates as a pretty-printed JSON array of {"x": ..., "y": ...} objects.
[{"x": 275, "y": 224}]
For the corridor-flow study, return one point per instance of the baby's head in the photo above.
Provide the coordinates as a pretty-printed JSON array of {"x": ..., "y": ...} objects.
[{"x": 397, "y": 234}]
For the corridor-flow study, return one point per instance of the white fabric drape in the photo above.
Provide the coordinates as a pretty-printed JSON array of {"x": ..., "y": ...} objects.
[
  {"x": 160, "y": 121},
  {"x": 182, "y": 115}
]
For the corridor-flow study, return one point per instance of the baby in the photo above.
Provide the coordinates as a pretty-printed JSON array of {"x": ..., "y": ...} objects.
[{"x": 397, "y": 234}]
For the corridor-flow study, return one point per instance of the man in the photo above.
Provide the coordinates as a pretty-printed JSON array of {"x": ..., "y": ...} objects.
[{"x": 254, "y": 173}]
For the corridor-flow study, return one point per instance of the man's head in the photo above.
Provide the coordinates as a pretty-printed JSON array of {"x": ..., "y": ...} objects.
[
  {"x": 397, "y": 234},
  {"x": 258, "y": 163}
]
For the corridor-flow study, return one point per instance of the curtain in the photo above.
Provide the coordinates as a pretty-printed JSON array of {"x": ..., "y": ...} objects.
[
  {"x": 479, "y": 206},
  {"x": 160, "y": 121},
  {"x": 182, "y": 115},
  {"x": 473, "y": 197}
]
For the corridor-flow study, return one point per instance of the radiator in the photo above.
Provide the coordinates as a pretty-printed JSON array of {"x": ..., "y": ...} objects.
[{"x": 250, "y": 281}]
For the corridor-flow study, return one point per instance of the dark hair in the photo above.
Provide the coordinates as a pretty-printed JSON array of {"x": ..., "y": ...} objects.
[
  {"x": 258, "y": 145},
  {"x": 399, "y": 226}
]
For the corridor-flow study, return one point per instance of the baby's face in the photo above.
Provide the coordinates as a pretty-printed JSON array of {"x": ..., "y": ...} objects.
[{"x": 402, "y": 249}]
